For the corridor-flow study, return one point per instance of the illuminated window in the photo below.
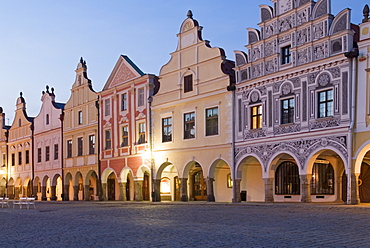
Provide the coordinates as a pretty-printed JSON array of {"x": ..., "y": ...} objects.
[
  {"x": 287, "y": 111},
  {"x": 38, "y": 155},
  {"x": 189, "y": 125},
  {"x": 211, "y": 121},
  {"x": 287, "y": 179},
  {"x": 256, "y": 117},
  {"x": 124, "y": 101},
  {"x": 91, "y": 144},
  {"x": 167, "y": 129},
  {"x": 322, "y": 181},
  {"x": 47, "y": 153},
  {"x": 285, "y": 55},
  {"x": 140, "y": 97},
  {"x": 165, "y": 185},
  {"x": 326, "y": 101},
  {"x": 80, "y": 146},
  {"x": 69, "y": 148},
  {"x": 108, "y": 140},
  {"x": 124, "y": 136},
  {"x": 141, "y": 139},
  {"x": 188, "y": 83}
]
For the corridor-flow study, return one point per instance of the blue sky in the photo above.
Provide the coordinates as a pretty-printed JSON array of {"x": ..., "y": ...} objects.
[{"x": 42, "y": 40}]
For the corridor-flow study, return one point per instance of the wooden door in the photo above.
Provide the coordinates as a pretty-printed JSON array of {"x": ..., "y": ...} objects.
[
  {"x": 146, "y": 187},
  {"x": 111, "y": 187},
  {"x": 199, "y": 186},
  {"x": 364, "y": 183}
]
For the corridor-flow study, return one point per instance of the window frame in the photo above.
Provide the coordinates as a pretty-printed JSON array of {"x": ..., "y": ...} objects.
[
  {"x": 39, "y": 155},
  {"x": 167, "y": 129},
  {"x": 141, "y": 133},
  {"x": 188, "y": 83},
  {"x": 107, "y": 139},
  {"x": 27, "y": 156},
  {"x": 80, "y": 146},
  {"x": 20, "y": 158},
  {"x": 326, "y": 102},
  {"x": 286, "y": 55},
  {"x": 79, "y": 117},
  {"x": 47, "y": 153},
  {"x": 258, "y": 117},
  {"x": 92, "y": 144},
  {"x": 124, "y": 136},
  {"x": 107, "y": 107},
  {"x": 56, "y": 151},
  {"x": 69, "y": 148},
  {"x": 187, "y": 130},
  {"x": 212, "y": 130},
  {"x": 140, "y": 96},
  {"x": 318, "y": 180},
  {"x": 288, "y": 116},
  {"x": 124, "y": 101},
  {"x": 284, "y": 180}
]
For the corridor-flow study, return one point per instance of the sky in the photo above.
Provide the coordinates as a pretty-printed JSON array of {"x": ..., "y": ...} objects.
[{"x": 42, "y": 41}]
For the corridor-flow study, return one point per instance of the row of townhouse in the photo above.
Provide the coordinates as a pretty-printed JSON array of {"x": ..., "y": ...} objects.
[{"x": 288, "y": 121}]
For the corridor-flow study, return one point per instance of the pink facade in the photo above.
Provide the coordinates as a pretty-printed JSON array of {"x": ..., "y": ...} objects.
[
  {"x": 48, "y": 148},
  {"x": 124, "y": 132}
]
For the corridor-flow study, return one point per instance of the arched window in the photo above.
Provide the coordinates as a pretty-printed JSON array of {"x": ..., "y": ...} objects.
[
  {"x": 322, "y": 181},
  {"x": 287, "y": 179}
]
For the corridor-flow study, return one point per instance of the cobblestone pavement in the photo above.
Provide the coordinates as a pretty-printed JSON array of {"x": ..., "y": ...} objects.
[{"x": 121, "y": 224}]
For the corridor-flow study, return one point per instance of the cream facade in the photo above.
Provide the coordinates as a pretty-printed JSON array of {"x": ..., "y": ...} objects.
[
  {"x": 47, "y": 148},
  {"x": 295, "y": 115},
  {"x": 80, "y": 137},
  {"x": 20, "y": 157},
  {"x": 192, "y": 122}
]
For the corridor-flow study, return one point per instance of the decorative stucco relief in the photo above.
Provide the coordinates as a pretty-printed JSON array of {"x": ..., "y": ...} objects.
[{"x": 319, "y": 124}]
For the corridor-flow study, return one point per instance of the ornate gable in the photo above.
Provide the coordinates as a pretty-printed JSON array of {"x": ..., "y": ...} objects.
[{"x": 124, "y": 71}]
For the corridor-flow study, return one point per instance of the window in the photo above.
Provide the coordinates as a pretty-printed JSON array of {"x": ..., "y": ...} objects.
[
  {"x": 108, "y": 141},
  {"x": 124, "y": 136},
  {"x": 19, "y": 158},
  {"x": 326, "y": 103},
  {"x": 79, "y": 117},
  {"x": 189, "y": 125},
  {"x": 38, "y": 155},
  {"x": 287, "y": 179},
  {"x": 285, "y": 55},
  {"x": 256, "y": 117},
  {"x": 287, "y": 111},
  {"x": 167, "y": 129},
  {"x": 188, "y": 83},
  {"x": 211, "y": 121},
  {"x": 80, "y": 142},
  {"x": 27, "y": 156},
  {"x": 322, "y": 181},
  {"x": 47, "y": 153},
  {"x": 69, "y": 148},
  {"x": 47, "y": 119},
  {"x": 141, "y": 139},
  {"x": 124, "y": 101},
  {"x": 13, "y": 159},
  {"x": 107, "y": 107},
  {"x": 19, "y": 122},
  {"x": 140, "y": 97},
  {"x": 56, "y": 151},
  {"x": 91, "y": 144}
]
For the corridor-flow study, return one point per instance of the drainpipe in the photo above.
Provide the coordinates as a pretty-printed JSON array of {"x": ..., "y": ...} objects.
[
  {"x": 61, "y": 118},
  {"x": 33, "y": 164},
  {"x": 150, "y": 99},
  {"x": 232, "y": 88},
  {"x": 352, "y": 57},
  {"x": 97, "y": 144}
]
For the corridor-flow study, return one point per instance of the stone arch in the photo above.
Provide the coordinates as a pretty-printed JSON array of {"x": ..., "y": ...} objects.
[
  {"x": 249, "y": 179},
  {"x": 170, "y": 171},
  {"x": 124, "y": 173},
  {"x": 141, "y": 170},
  {"x": 322, "y": 7},
  {"x": 37, "y": 187},
  {"x": 241, "y": 58},
  {"x": 11, "y": 188},
  {"x": 78, "y": 187},
  {"x": 318, "y": 151},
  {"x": 253, "y": 35},
  {"x": 275, "y": 161},
  {"x": 266, "y": 12},
  {"x": 162, "y": 167},
  {"x": 91, "y": 186},
  {"x": 360, "y": 155},
  {"x": 106, "y": 173},
  {"x": 220, "y": 176}
]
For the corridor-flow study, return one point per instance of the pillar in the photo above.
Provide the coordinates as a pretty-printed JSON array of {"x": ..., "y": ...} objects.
[
  {"x": 35, "y": 192},
  {"x": 43, "y": 193},
  {"x": 156, "y": 195},
  {"x": 269, "y": 189},
  {"x": 65, "y": 196},
  {"x": 353, "y": 193},
  {"x": 53, "y": 193},
  {"x": 122, "y": 192},
  {"x": 184, "y": 189},
  {"x": 87, "y": 193},
  {"x": 210, "y": 193},
  {"x": 104, "y": 191},
  {"x": 75, "y": 193},
  {"x": 305, "y": 187},
  {"x": 236, "y": 190},
  {"x": 138, "y": 190}
]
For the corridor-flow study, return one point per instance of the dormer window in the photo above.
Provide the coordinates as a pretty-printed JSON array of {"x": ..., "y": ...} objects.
[
  {"x": 79, "y": 117},
  {"x": 285, "y": 55},
  {"x": 47, "y": 119},
  {"x": 188, "y": 83}
]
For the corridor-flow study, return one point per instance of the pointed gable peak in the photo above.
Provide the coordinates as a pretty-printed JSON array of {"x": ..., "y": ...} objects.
[{"x": 123, "y": 71}]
